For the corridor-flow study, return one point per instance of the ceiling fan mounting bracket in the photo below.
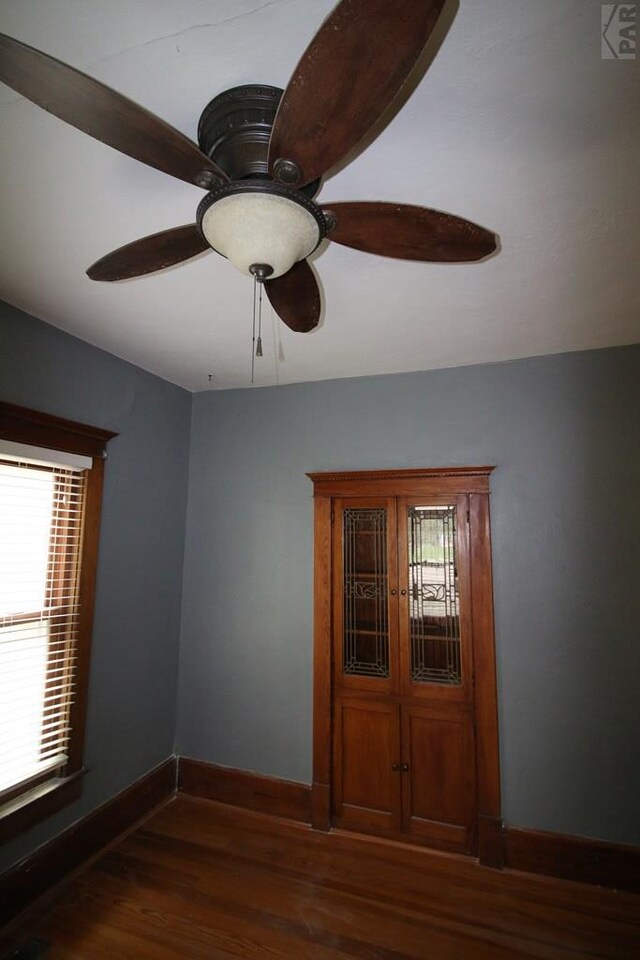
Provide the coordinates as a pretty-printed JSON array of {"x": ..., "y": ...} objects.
[
  {"x": 234, "y": 131},
  {"x": 330, "y": 219},
  {"x": 208, "y": 180},
  {"x": 286, "y": 171}
]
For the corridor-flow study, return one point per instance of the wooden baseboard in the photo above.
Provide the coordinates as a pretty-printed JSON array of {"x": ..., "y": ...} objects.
[
  {"x": 34, "y": 876},
  {"x": 533, "y": 851},
  {"x": 321, "y": 806},
  {"x": 490, "y": 842},
  {"x": 239, "y": 788},
  {"x": 573, "y": 858}
]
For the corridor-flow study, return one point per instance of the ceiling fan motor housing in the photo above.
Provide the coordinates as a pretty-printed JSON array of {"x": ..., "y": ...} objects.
[{"x": 235, "y": 128}]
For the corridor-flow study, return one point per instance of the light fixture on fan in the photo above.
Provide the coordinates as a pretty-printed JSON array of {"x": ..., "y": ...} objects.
[
  {"x": 264, "y": 229},
  {"x": 261, "y": 224}
]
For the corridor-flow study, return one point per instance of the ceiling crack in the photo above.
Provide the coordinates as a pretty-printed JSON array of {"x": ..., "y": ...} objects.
[
  {"x": 195, "y": 26},
  {"x": 171, "y": 36}
]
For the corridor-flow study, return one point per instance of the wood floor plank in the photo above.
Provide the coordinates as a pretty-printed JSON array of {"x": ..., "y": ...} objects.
[
  {"x": 200, "y": 880},
  {"x": 468, "y": 893},
  {"x": 195, "y": 926},
  {"x": 312, "y": 915},
  {"x": 196, "y": 815},
  {"x": 275, "y": 887}
]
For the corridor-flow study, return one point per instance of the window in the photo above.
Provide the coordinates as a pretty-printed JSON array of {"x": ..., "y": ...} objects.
[{"x": 50, "y": 490}]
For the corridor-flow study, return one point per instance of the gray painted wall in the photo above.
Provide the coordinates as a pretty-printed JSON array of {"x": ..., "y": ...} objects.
[
  {"x": 563, "y": 434},
  {"x": 131, "y": 722}
]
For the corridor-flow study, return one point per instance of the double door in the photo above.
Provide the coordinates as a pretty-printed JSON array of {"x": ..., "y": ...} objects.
[{"x": 403, "y": 711}]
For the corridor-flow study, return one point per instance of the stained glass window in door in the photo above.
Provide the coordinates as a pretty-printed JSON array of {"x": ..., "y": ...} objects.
[
  {"x": 434, "y": 601},
  {"x": 365, "y": 604}
]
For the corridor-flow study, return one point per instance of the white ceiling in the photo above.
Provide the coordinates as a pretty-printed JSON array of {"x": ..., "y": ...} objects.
[{"x": 518, "y": 125}]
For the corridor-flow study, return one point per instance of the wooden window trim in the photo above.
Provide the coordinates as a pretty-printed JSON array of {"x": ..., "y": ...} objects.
[
  {"x": 39, "y": 429},
  {"x": 474, "y": 483}
]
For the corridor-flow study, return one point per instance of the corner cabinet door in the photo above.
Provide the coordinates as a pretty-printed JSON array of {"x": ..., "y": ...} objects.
[
  {"x": 365, "y": 596},
  {"x": 367, "y": 765},
  {"x": 438, "y": 780},
  {"x": 436, "y": 671}
]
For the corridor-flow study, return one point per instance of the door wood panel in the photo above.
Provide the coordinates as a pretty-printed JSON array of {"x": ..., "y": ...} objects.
[
  {"x": 366, "y": 749},
  {"x": 438, "y": 790}
]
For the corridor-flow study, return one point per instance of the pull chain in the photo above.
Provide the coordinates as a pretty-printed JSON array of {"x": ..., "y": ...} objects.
[
  {"x": 259, "y": 344},
  {"x": 253, "y": 337},
  {"x": 256, "y": 345}
]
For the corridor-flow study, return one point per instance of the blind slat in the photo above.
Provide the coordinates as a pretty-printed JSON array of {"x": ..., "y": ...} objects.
[
  {"x": 53, "y": 694},
  {"x": 38, "y": 751},
  {"x": 60, "y": 639}
]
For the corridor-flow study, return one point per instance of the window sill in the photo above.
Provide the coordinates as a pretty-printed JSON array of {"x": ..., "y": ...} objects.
[{"x": 38, "y": 804}]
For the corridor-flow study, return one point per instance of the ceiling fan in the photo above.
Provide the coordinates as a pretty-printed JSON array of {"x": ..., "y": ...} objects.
[{"x": 263, "y": 152}]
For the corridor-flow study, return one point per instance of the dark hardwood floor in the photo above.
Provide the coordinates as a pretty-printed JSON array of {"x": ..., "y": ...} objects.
[{"x": 202, "y": 880}]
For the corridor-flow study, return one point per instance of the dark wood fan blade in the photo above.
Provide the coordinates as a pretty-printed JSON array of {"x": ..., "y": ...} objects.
[
  {"x": 149, "y": 254},
  {"x": 409, "y": 233},
  {"x": 347, "y": 77},
  {"x": 296, "y": 298},
  {"x": 102, "y": 113}
]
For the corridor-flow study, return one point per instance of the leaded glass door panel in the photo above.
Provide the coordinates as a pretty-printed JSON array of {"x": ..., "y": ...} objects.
[
  {"x": 434, "y": 621},
  {"x": 365, "y": 595}
]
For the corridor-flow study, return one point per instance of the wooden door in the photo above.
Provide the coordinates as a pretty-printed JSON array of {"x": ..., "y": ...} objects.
[
  {"x": 367, "y": 765},
  {"x": 366, "y": 723},
  {"x": 438, "y": 782},
  {"x": 436, "y": 671}
]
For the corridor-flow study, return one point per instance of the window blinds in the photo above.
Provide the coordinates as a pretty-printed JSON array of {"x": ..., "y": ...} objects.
[{"x": 41, "y": 515}]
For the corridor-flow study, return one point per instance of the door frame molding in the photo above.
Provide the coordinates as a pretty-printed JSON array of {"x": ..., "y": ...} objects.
[{"x": 470, "y": 481}]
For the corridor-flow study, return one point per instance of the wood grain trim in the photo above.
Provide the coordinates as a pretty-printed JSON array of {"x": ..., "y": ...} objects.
[
  {"x": 86, "y": 600},
  {"x": 44, "y": 430},
  {"x": 321, "y": 788},
  {"x": 321, "y": 806},
  {"x": 30, "y": 810},
  {"x": 490, "y": 842},
  {"x": 354, "y": 476},
  {"x": 410, "y": 483},
  {"x": 573, "y": 858},
  {"x": 241, "y": 788},
  {"x": 73, "y": 848},
  {"x": 486, "y": 694}
]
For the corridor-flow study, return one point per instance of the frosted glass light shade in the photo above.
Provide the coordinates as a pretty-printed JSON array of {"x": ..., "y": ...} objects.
[{"x": 257, "y": 227}]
